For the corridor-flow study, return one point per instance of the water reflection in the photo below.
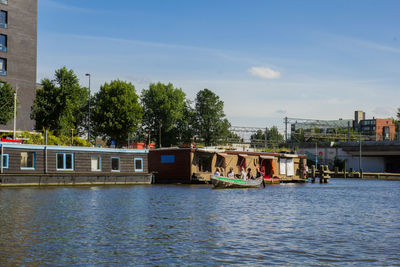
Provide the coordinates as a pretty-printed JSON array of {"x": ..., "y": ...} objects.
[{"x": 344, "y": 222}]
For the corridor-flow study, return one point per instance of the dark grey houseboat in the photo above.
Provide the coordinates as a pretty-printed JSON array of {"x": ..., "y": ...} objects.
[{"x": 58, "y": 165}]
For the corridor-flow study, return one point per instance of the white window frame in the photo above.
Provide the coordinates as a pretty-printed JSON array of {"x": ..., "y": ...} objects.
[
  {"x": 7, "y": 161},
  {"x": 65, "y": 161},
  {"x": 34, "y": 161},
  {"x": 98, "y": 163},
  {"x": 119, "y": 164},
  {"x": 136, "y": 169}
]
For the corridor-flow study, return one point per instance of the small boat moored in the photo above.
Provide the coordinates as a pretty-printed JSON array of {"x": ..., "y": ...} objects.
[{"x": 225, "y": 182}]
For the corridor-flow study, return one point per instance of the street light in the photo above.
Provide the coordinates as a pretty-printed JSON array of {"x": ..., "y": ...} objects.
[{"x": 88, "y": 134}]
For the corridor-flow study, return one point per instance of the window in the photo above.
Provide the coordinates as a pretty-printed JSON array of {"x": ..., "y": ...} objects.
[
  {"x": 115, "y": 165},
  {"x": 28, "y": 160},
  {"x": 3, "y": 19},
  {"x": 65, "y": 161},
  {"x": 204, "y": 163},
  {"x": 5, "y": 161},
  {"x": 96, "y": 164},
  {"x": 167, "y": 159},
  {"x": 3, "y": 43},
  {"x": 138, "y": 164},
  {"x": 4, "y": 2},
  {"x": 3, "y": 66}
]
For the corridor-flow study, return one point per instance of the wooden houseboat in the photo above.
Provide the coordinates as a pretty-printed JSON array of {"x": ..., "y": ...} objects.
[
  {"x": 23, "y": 165},
  {"x": 191, "y": 165}
]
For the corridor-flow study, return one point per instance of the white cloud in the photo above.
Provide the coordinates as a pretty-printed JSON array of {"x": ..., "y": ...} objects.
[{"x": 265, "y": 73}]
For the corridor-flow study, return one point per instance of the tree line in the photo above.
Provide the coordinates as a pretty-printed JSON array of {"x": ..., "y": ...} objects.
[{"x": 161, "y": 113}]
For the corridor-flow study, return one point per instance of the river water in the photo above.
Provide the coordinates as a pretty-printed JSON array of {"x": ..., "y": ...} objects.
[{"x": 345, "y": 222}]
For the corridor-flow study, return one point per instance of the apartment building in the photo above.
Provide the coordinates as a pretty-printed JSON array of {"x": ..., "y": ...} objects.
[{"x": 18, "y": 55}]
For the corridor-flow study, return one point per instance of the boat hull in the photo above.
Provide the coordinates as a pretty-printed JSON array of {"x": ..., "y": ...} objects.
[{"x": 224, "y": 182}]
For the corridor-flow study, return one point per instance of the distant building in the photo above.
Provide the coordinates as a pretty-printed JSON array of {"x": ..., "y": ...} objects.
[
  {"x": 383, "y": 129},
  {"x": 324, "y": 126},
  {"x": 18, "y": 53},
  {"x": 377, "y": 129}
]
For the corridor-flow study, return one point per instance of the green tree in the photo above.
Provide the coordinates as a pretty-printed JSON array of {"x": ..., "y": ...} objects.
[
  {"x": 116, "y": 112},
  {"x": 6, "y": 103},
  {"x": 59, "y": 104},
  {"x": 164, "y": 107},
  {"x": 210, "y": 124},
  {"x": 274, "y": 136}
]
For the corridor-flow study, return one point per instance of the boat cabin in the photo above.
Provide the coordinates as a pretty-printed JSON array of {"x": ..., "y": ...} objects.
[
  {"x": 54, "y": 165},
  {"x": 190, "y": 165}
]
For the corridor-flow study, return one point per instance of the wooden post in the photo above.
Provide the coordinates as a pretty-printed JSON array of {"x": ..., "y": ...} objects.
[
  {"x": 313, "y": 173},
  {"x": 336, "y": 172},
  {"x": 344, "y": 169},
  {"x": 361, "y": 174}
]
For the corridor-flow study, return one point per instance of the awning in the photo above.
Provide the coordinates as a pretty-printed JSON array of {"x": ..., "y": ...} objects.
[
  {"x": 290, "y": 156},
  {"x": 267, "y": 157},
  {"x": 243, "y": 155},
  {"x": 222, "y": 154}
]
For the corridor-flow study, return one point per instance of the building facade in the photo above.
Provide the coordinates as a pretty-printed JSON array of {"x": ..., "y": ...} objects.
[
  {"x": 383, "y": 129},
  {"x": 18, "y": 55}
]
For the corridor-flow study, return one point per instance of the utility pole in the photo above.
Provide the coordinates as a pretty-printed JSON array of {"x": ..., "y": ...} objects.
[
  {"x": 316, "y": 155},
  {"x": 88, "y": 134},
  {"x": 159, "y": 132},
  {"x": 15, "y": 114},
  {"x": 360, "y": 153},
  {"x": 286, "y": 130},
  {"x": 348, "y": 131}
]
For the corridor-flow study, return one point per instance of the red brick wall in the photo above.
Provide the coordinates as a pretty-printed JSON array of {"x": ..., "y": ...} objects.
[{"x": 380, "y": 123}]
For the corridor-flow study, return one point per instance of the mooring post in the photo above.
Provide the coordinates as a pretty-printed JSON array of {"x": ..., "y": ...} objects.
[
  {"x": 344, "y": 169},
  {"x": 313, "y": 173},
  {"x": 361, "y": 174},
  {"x": 336, "y": 172}
]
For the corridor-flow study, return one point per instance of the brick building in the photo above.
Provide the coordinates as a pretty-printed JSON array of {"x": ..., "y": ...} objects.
[
  {"x": 383, "y": 129},
  {"x": 18, "y": 55}
]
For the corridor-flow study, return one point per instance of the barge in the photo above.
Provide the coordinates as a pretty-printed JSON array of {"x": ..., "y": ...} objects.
[
  {"x": 39, "y": 165},
  {"x": 197, "y": 165}
]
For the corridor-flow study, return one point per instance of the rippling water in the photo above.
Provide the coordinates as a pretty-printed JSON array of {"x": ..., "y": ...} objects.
[{"x": 346, "y": 222}]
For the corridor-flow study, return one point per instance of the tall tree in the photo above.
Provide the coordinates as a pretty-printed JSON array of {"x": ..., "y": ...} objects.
[
  {"x": 59, "y": 104},
  {"x": 164, "y": 107},
  {"x": 274, "y": 136},
  {"x": 117, "y": 113},
  {"x": 211, "y": 124},
  {"x": 6, "y": 103}
]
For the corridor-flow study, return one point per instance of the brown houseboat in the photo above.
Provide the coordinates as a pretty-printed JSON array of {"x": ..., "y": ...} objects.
[
  {"x": 191, "y": 165},
  {"x": 58, "y": 165}
]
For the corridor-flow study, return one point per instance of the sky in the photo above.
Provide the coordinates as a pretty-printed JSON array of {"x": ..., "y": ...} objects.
[{"x": 265, "y": 59}]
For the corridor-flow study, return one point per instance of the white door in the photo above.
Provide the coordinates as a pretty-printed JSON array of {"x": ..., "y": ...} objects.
[
  {"x": 282, "y": 166},
  {"x": 290, "y": 167}
]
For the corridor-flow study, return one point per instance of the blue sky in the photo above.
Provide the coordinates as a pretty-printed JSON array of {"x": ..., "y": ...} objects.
[{"x": 265, "y": 59}]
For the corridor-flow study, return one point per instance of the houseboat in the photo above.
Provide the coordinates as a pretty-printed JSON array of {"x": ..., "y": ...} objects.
[
  {"x": 36, "y": 165},
  {"x": 196, "y": 165}
]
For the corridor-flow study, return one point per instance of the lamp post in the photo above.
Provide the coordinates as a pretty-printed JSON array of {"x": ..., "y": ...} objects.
[
  {"x": 15, "y": 113},
  {"x": 88, "y": 134}
]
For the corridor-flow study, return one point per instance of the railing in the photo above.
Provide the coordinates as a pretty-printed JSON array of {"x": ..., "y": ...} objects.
[
  {"x": 3, "y": 48},
  {"x": 3, "y": 72},
  {"x": 3, "y": 25}
]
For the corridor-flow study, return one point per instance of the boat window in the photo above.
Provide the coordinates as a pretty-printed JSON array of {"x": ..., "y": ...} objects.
[
  {"x": 96, "y": 163},
  {"x": 28, "y": 160},
  {"x": 204, "y": 163},
  {"x": 138, "y": 164},
  {"x": 5, "y": 161},
  {"x": 65, "y": 161},
  {"x": 115, "y": 164}
]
